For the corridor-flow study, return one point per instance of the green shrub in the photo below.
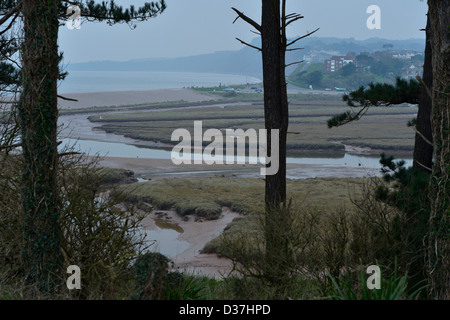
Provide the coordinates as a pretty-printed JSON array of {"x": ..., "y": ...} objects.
[
  {"x": 393, "y": 287},
  {"x": 186, "y": 287},
  {"x": 98, "y": 233},
  {"x": 150, "y": 271},
  {"x": 155, "y": 282}
]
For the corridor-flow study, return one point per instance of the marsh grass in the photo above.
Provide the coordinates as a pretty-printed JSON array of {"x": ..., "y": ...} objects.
[
  {"x": 381, "y": 128},
  {"x": 333, "y": 225},
  {"x": 206, "y": 196},
  {"x": 326, "y": 231}
]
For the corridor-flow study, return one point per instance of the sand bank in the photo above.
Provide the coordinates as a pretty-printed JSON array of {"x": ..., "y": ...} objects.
[{"x": 120, "y": 98}]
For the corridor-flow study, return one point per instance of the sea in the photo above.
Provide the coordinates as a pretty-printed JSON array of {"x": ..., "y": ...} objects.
[{"x": 107, "y": 81}]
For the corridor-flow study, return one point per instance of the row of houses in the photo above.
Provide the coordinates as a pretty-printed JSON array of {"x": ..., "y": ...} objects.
[{"x": 337, "y": 62}]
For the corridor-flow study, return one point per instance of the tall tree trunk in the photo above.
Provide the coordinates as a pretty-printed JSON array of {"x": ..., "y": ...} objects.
[
  {"x": 38, "y": 115},
  {"x": 439, "y": 229},
  {"x": 423, "y": 151},
  {"x": 275, "y": 97},
  {"x": 276, "y": 117}
]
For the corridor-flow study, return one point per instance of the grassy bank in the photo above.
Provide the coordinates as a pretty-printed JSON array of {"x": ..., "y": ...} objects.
[{"x": 205, "y": 197}]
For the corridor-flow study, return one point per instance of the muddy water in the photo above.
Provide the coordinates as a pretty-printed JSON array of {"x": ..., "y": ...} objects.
[
  {"x": 165, "y": 238},
  {"x": 97, "y": 142},
  {"x": 111, "y": 149}
]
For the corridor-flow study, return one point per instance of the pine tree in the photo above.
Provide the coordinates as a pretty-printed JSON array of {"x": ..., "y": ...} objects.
[
  {"x": 412, "y": 92},
  {"x": 432, "y": 139},
  {"x": 274, "y": 45},
  {"x": 10, "y": 78},
  {"x": 38, "y": 114},
  {"x": 382, "y": 94},
  {"x": 439, "y": 223}
]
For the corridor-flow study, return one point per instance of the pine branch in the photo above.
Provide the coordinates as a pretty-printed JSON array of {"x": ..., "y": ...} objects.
[
  {"x": 246, "y": 19},
  {"x": 17, "y": 13},
  {"x": 382, "y": 94},
  {"x": 379, "y": 94},
  {"x": 67, "y": 99},
  {"x": 9, "y": 102},
  {"x": 294, "y": 49},
  {"x": 112, "y": 13},
  {"x": 68, "y": 154},
  {"x": 292, "y": 18},
  {"x": 12, "y": 12},
  {"x": 302, "y": 37},
  {"x": 247, "y": 44},
  {"x": 298, "y": 62},
  {"x": 346, "y": 117},
  {"x": 11, "y": 146}
]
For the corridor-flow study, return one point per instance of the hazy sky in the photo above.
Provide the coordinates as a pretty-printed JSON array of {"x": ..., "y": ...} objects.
[{"x": 190, "y": 27}]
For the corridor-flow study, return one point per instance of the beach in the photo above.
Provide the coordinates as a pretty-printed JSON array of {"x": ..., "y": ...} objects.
[{"x": 120, "y": 98}]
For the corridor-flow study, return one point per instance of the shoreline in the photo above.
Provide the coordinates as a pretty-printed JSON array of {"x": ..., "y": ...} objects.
[
  {"x": 120, "y": 98},
  {"x": 196, "y": 234}
]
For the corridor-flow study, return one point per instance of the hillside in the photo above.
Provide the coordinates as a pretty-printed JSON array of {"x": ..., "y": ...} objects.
[
  {"x": 315, "y": 76},
  {"x": 359, "y": 69},
  {"x": 247, "y": 60}
]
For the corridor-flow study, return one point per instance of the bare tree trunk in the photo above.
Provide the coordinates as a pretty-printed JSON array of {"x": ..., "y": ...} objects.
[
  {"x": 38, "y": 119},
  {"x": 423, "y": 151},
  {"x": 276, "y": 110},
  {"x": 439, "y": 223},
  {"x": 276, "y": 117}
]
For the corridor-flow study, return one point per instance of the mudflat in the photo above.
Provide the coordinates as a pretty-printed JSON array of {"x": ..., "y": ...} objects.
[{"x": 195, "y": 233}]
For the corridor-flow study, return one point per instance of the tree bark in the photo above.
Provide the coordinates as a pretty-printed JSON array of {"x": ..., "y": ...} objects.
[
  {"x": 423, "y": 151},
  {"x": 38, "y": 119},
  {"x": 439, "y": 229},
  {"x": 276, "y": 117},
  {"x": 275, "y": 96}
]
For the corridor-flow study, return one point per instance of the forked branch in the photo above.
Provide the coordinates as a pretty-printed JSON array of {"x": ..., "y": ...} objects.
[
  {"x": 12, "y": 12},
  {"x": 298, "y": 62},
  {"x": 302, "y": 37},
  {"x": 248, "y": 44},
  {"x": 246, "y": 19},
  {"x": 292, "y": 18}
]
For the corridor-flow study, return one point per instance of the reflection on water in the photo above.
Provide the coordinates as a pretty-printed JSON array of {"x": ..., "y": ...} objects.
[
  {"x": 162, "y": 224},
  {"x": 165, "y": 240}
]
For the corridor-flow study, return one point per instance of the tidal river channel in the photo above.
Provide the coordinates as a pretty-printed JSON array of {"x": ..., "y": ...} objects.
[{"x": 167, "y": 236}]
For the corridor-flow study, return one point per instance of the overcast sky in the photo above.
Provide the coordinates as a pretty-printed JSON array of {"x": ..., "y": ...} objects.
[{"x": 191, "y": 27}]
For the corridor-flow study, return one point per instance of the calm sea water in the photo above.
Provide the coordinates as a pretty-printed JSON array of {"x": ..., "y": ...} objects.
[{"x": 100, "y": 81}]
